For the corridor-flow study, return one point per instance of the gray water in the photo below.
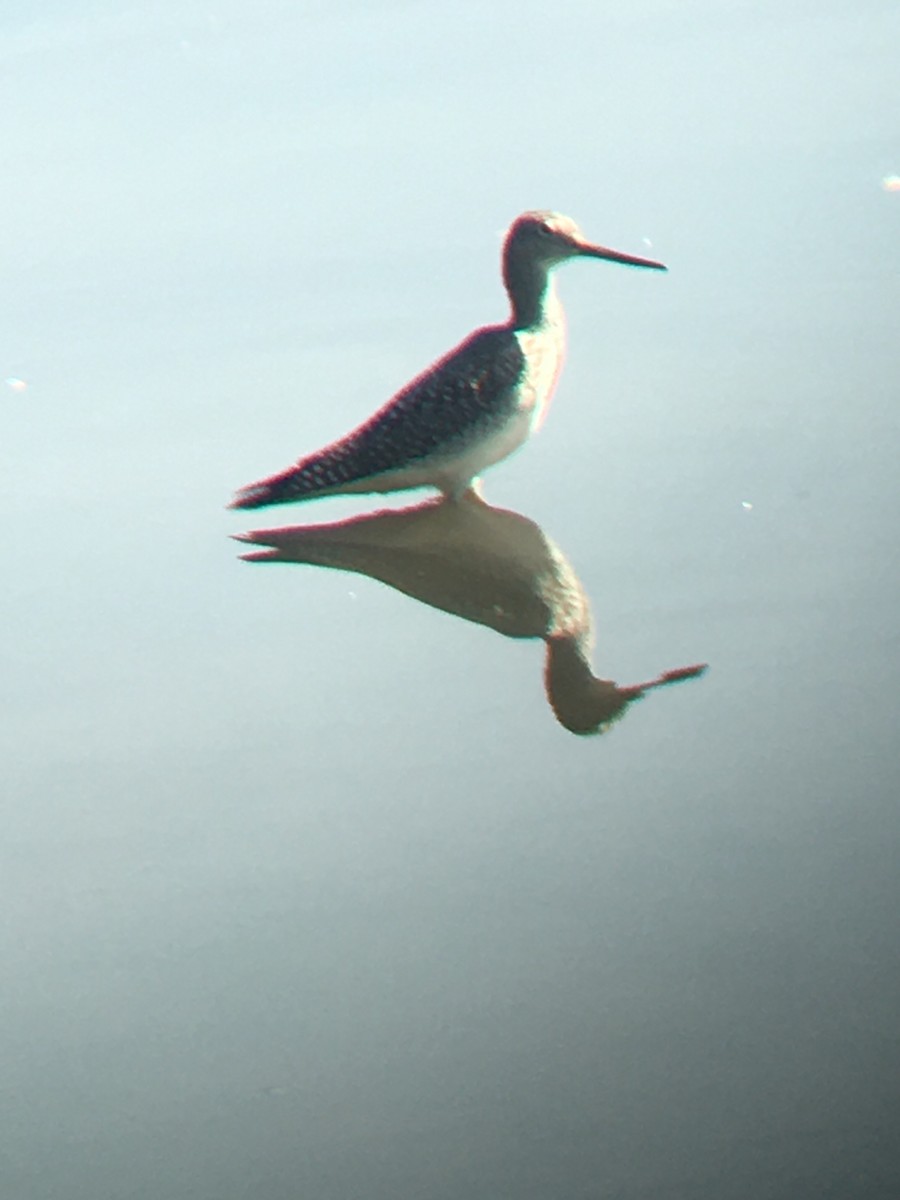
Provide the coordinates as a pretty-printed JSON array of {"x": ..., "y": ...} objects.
[{"x": 305, "y": 893}]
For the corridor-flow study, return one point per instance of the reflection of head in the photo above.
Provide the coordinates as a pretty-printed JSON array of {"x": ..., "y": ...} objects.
[
  {"x": 581, "y": 702},
  {"x": 585, "y": 704}
]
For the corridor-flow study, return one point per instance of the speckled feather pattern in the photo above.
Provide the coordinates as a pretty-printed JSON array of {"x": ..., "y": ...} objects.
[
  {"x": 458, "y": 400},
  {"x": 474, "y": 406}
]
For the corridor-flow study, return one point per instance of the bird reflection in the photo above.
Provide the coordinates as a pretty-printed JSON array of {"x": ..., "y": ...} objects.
[{"x": 483, "y": 564}]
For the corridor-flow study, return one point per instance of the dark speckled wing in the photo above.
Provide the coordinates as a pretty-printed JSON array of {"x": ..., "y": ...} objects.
[
  {"x": 456, "y": 399},
  {"x": 461, "y": 397}
]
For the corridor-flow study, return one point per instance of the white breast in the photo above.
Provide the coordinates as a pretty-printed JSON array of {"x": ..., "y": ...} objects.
[{"x": 543, "y": 349}]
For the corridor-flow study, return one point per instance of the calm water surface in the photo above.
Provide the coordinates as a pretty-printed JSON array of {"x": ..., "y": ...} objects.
[{"x": 305, "y": 892}]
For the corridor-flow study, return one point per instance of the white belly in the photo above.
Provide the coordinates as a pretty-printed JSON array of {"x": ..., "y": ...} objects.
[{"x": 456, "y": 475}]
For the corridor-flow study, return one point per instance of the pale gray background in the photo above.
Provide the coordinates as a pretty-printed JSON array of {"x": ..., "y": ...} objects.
[{"x": 304, "y": 893}]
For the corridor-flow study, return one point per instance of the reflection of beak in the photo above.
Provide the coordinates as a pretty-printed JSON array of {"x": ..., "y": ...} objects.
[{"x": 629, "y": 260}]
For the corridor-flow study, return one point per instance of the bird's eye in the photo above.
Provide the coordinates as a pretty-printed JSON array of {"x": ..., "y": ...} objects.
[{"x": 546, "y": 230}]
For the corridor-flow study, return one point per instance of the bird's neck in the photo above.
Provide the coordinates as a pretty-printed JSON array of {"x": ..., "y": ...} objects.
[{"x": 532, "y": 293}]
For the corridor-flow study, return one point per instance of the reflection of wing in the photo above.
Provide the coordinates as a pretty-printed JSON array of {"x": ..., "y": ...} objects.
[
  {"x": 484, "y": 564},
  {"x": 459, "y": 400},
  {"x": 477, "y": 562}
]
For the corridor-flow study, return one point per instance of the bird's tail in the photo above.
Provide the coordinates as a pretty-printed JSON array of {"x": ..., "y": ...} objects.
[{"x": 305, "y": 479}]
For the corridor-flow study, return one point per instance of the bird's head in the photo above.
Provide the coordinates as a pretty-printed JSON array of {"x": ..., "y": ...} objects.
[{"x": 549, "y": 238}]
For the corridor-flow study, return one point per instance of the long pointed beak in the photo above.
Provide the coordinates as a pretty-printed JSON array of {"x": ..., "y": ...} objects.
[{"x": 629, "y": 260}]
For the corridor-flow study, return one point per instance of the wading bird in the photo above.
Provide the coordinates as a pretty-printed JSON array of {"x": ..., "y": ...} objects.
[{"x": 471, "y": 408}]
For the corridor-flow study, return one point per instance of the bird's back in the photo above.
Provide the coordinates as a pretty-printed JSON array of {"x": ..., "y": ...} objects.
[{"x": 462, "y": 399}]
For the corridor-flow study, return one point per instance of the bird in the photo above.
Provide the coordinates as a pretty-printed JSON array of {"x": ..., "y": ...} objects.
[{"x": 472, "y": 407}]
